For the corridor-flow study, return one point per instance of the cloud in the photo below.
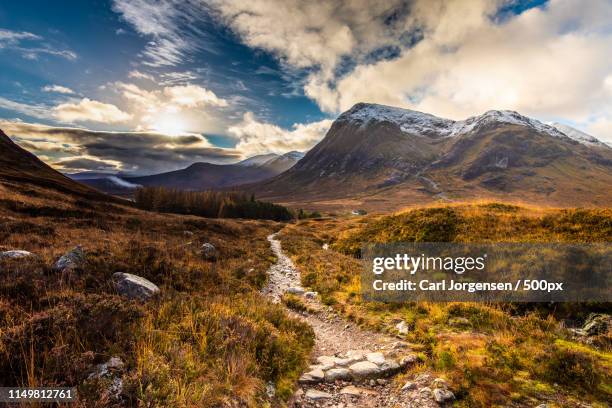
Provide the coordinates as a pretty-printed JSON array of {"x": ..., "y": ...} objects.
[
  {"x": 450, "y": 58},
  {"x": 171, "y": 26},
  {"x": 256, "y": 137},
  {"x": 87, "y": 110},
  {"x": 30, "y": 45},
  {"x": 140, "y": 75},
  {"x": 85, "y": 163},
  {"x": 35, "y": 111},
  {"x": 58, "y": 89},
  {"x": 192, "y": 96},
  {"x": 131, "y": 152}
]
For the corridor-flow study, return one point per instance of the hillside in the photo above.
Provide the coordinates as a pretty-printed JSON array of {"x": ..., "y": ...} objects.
[
  {"x": 20, "y": 169},
  {"x": 202, "y": 176},
  {"x": 382, "y": 157}
]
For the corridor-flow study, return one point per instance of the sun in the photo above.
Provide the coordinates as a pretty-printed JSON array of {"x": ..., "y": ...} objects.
[{"x": 170, "y": 125}]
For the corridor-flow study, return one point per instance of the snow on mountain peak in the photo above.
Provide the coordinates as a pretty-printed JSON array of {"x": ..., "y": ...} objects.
[{"x": 578, "y": 135}]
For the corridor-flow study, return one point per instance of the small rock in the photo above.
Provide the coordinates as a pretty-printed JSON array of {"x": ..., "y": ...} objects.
[
  {"x": 442, "y": 396},
  {"x": 597, "y": 323},
  {"x": 356, "y": 354},
  {"x": 295, "y": 290},
  {"x": 402, "y": 328},
  {"x": 298, "y": 393},
  {"x": 134, "y": 287},
  {"x": 376, "y": 358},
  {"x": 458, "y": 321},
  {"x": 343, "y": 362},
  {"x": 542, "y": 406},
  {"x": 389, "y": 367},
  {"x": 337, "y": 374},
  {"x": 364, "y": 369},
  {"x": 15, "y": 254},
  {"x": 270, "y": 390},
  {"x": 325, "y": 247},
  {"x": 408, "y": 360},
  {"x": 381, "y": 381},
  {"x": 425, "y": 390},
  {"x": 112, "y": 366},
  {"x": 351, "y": 390},
  {"x": 326, "y": 362},
  {"x": 208, "y": 251},
  {"x": 440, "y": 383},
  {"x": 188, "y": 233},
  {"x": 372, "y": 383},
  {"x": 423, "y": 377},
  {"x": 409, "y": 386},
  {"x": 70, "y": 260},
  {"x": 317, "y": 395},
  {"x": 310, "y": 295}
]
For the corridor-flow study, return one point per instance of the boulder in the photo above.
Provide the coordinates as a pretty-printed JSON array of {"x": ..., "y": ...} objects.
[
  {"x": 70, "y": 260},
  {"x": 597, "y": 323},
  {"x": 310, "y": 295},
  {"x": 389, "y": 367},
  {"x": 317, "y": 395},
  {"x": 442, "y": 396},
  {"x": 208, "y": 251},
  {"x": 408, "y": 360},
  {"x": 134, "y": 287},
  {"x": 15, "y": 254},
  {"x": 364, "y": 369},
  {"x": 315, "y": 375},
  {"x": 334, "y": 374}
]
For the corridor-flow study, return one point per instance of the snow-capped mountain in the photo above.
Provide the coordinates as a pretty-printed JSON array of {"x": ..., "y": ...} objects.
[
  {"x": 578, "y": 135},
  {"x": 258, "y": 160},
  {"x": 375, "y": 149}
]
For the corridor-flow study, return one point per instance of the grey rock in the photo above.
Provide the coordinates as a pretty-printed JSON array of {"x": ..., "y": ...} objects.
[
  {"x": 442, "y": 396},
  {"x": 112, "y": 366},
  {"x": 134, "y": 287},
  {"x": 458, "y": 321},
  {"x": 317, "y": 395},
  {"x": 376, "y": 358},
  {"x": 295, "y": 290},
  {"x": 597, "y": 323},
  {"x": 440, "y": 383},
  {"x": 402, "y": 328},
  {"x": 408, "y": 360},
  {"x": 389, "y": 367},
  {"x": 70, "y": 260},
  {"x": 208, "y": 251},
  {"x": 364, "y": 369},
  {"x": 16, "y": 254},
  {"x": 337, "y": 374},
  {"x": 351, "y": 390},
  {"x": 310, "y": 295},
  {"x": 409, "y": 386},
  {"x": 270, "y": 390},
  {"x": 315, "y": 375}
]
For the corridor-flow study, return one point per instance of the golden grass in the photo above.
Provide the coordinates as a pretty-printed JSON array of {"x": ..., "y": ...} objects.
[{"x": 506, "y": 353}]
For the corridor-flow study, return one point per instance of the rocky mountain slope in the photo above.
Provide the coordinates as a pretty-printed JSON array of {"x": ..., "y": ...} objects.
[{"x": 379, "y": 155}]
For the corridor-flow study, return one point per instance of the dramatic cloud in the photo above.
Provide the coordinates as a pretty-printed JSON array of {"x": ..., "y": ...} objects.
[
  {"x": 140, "y": 75},
  {"x": 58, "y": 89},
  {"x": 87, "y": 110},
  {"x": 35, "y": 111},
  {"x": 256, "y": 137},
  {"x": 171, "y": 26},
  {"x": 30, "y": 46},
  {"x": 192, "y": 96},
  {"x": 74, "y": 149},
  {"x": 450, "y": 58}
]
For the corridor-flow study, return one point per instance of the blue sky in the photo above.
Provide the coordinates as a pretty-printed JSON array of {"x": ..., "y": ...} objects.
[{"x": 140, "y": 86}]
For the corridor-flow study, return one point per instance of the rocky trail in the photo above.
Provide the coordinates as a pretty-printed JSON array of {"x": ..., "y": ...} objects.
[{"x": 350, "y": 366}]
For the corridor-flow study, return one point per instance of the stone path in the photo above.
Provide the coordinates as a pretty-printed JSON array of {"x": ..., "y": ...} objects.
[{"x": 351, "y": 367}]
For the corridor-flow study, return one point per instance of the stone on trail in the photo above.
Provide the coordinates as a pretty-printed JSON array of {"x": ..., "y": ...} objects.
[
  {"x": 16, "y": 254},
  {"x": 389, "y": 367},
  {"x": 315, "y": 375},
  {"x": 376, "y": 358},
  {"x": 352, "y": 391},
  {"x": 442, "y": 396},
  {"x": 70, "y": 260},
  {"x": 409, "y": 386},
  {"x": 310, "y": 295},
  {"x": 334, "y": 374},
  {"x": 134, "y": 287},
  {"x": 364, "y": 369},
  {"x": 317, "y": 395},
  {"x": 295, "y": 290}
]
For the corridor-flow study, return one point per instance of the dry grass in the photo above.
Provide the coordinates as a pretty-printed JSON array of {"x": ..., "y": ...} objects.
[
  {"x": 210, "y": 339},
  {"x": 498, "y": 354}
]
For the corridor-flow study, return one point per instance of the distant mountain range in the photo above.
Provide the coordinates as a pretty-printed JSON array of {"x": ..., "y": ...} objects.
[
  {"x": 198, "y": 176},
  {"x": 383, "y": 157}
]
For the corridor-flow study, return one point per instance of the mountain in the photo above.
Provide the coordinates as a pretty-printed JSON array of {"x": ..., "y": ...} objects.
[
  {"x": 25, "y": 172},
  {"x": 202, "y": 176},
  {"x": 379, "y": 156},
  {"x": 578, "y": 135}
]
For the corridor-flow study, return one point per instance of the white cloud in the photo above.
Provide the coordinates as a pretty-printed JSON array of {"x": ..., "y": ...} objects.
[
  {"x": 550, "y": 62},
  {"x": 192, "y": 96},
  {"x": 87, "y": 110},
  {"x": 35, "y": 111},
  {"x": 140, "y": 75},
  {"x": 255, "y": 137},
  {"x": 58, "y": 89},
  {"x": 30, "y": 45}
]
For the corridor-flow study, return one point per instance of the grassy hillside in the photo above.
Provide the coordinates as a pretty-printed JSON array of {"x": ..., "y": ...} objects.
[
  {"x": 209, "y": 339},
  {"x": 493, "y": 354}
]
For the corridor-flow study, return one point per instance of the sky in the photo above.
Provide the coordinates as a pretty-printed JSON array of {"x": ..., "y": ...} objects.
[{"x": 144, "y": 86}]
